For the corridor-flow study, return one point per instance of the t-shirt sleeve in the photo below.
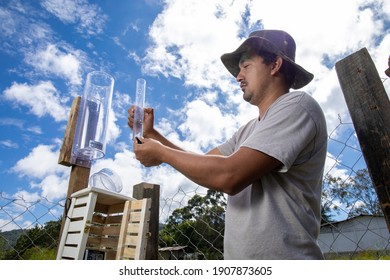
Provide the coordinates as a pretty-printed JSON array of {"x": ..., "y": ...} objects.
[{"x": 286, "y": 130}]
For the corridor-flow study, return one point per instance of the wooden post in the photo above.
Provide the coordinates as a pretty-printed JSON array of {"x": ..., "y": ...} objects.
[
  {"x": 79, "y": 175},
  {"x": 369, "y": 107},
  {"x": 145, "y": 190},
  {"x": 66, "y": 148}
]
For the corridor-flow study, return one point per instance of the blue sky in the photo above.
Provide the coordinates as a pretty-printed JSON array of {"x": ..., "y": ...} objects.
[{"x": 48, "y": 46}]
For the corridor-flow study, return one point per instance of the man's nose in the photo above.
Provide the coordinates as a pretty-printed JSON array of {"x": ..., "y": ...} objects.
[{"x": 239, "y": 76}]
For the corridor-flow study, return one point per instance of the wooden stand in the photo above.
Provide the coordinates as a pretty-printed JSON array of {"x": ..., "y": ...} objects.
[
  {"x": 122, "y": 214},
  {"x": 105, "y": 225}
]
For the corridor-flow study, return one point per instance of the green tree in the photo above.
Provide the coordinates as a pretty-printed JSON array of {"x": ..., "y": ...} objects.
[
  {"x": 199, "y": 226},
  {"x": 356, "y": 193},
  {"x": 35, "y": 239}
]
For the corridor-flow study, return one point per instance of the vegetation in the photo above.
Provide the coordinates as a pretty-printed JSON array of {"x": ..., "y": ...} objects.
[
  {"x": 356, "y": 193},
  {"x": 362, "y": 255},
  {"x": 199, "y": 226},
  {"x": 38, "y": 243}
]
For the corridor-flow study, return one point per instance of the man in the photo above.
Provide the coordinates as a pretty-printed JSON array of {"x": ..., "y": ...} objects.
[{"x": 272, "y": 167}]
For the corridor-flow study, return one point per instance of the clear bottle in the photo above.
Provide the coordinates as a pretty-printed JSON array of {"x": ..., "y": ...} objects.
[{"x": 90, "y": 136}]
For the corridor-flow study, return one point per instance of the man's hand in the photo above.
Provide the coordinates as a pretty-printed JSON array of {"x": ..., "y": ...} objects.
[
  {"x": 148, "y": 124},
  {"x": 148, "y": 152}
]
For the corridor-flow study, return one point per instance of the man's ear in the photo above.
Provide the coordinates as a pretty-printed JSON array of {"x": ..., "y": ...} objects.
[{"x": 276, "y": 65}]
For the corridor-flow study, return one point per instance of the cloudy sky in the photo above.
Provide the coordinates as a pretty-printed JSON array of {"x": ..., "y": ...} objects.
[{"x": 47, "y": 47}]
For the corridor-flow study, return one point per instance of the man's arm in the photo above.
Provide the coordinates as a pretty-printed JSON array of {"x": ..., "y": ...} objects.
[{"x": 229, "y": 174}]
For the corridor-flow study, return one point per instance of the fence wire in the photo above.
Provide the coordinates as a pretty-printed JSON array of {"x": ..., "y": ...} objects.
[{"x": 192, "y": 221}]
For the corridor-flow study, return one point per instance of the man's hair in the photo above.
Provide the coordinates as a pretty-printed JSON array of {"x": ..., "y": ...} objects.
[{"x": 287, "y": 70}]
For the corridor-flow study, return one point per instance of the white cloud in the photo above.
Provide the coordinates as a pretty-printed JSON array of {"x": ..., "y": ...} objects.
[
  {"x": 88, "y": 17},
  {"x": 205, "y": 125},
  {"x": 53, "y": 187},
  {"x": 188, "y": 39},
  {"x": 9, "y": 144},
  {"x": 41, "y": 99},
  {"x": 42, "y": 161},
  {"x": 52, "y": 60},
  {"x": 113, "y": 130}
]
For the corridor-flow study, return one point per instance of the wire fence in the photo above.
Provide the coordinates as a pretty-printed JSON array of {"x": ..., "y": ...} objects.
[{"x": 192, "y": 222}]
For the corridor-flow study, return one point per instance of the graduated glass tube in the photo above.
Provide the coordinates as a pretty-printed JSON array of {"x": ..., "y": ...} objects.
[{"x": 139, "y": 109}]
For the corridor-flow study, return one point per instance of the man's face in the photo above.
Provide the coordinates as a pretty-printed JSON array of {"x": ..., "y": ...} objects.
[{"x": 253, "y": 77}]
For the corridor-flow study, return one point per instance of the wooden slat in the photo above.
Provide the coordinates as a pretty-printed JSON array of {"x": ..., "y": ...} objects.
[
  {"x": 135, "y": 217},
  {"x": 109, "y": 242},
  {"x": 76, "y": 226},
  {"x": 81, "y": 200},
  {"x": 122, "y": 231},
  {"x": 116, "y": 208},
  {"x": 117, "y": 219},
  {"x": 70, "y": 252},
  {"x": 131, "y": 240},
  {"x": 79, "y": 212},
  {"x": 96, "y": 230},
  {"x": 101, "y": 208},
  {"x": 110, "y": 255},
  {"x": 113, "y": 231},
  {"x": 136, "y": 204},
  {"x": 133, "y": 228},
  {"x": 98, "y": 219},
  {"x": 129, "y": 253},
  {"x": 94, "y": 241},
  {"x": 73, "y": 239},
  {"x": 144, "y": 226}
]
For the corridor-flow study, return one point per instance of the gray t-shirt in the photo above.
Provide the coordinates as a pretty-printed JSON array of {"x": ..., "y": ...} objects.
[{"x": 278, "y": 216}]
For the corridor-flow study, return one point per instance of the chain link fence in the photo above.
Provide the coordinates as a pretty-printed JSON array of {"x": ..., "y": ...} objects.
[{"x": 192, "y": 222}]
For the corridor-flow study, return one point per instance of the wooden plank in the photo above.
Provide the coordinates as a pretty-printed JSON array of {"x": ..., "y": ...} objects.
[
  {"x": 369, "y": 107},
  {"x": 152, "y": 191},
  {"x": 110, "y": 255},
  {"x": 87, "y": 219},
  {"x": 109, "y": 242},
  {"x": 98, "y": 219},
  {"x": 135, "y": 217},
  {"x": 101, "y": 208},
  {"x": 143, "y": 230},
  {"x": 136, "y": 204},
  {"x": 131, "y": 240},
  {"x": 73, "y": 239},
  {"x": 112, "y": 231},
  {"x": 116, "y": 208},
  {"x": 129, "y": 253},
  {"x": 82, "y": 200},
  {"x": 133, "y": 228},
  {"x": 70, "y": 252},
  {"x": 79, "y": 212},
  {"x": 94, "y": 241},
  {"x": 117, "y": 219},
  {"x": 64, "y": 226},
  {"x": 67, "y": 144},
  {"x": 122, "y": 231},
  {"x": 96, "y": 230},
  {"x": 76, "y": 226}
]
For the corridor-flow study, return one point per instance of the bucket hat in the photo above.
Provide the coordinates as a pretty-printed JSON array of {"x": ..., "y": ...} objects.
[{"x": 274, "y": 41}]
